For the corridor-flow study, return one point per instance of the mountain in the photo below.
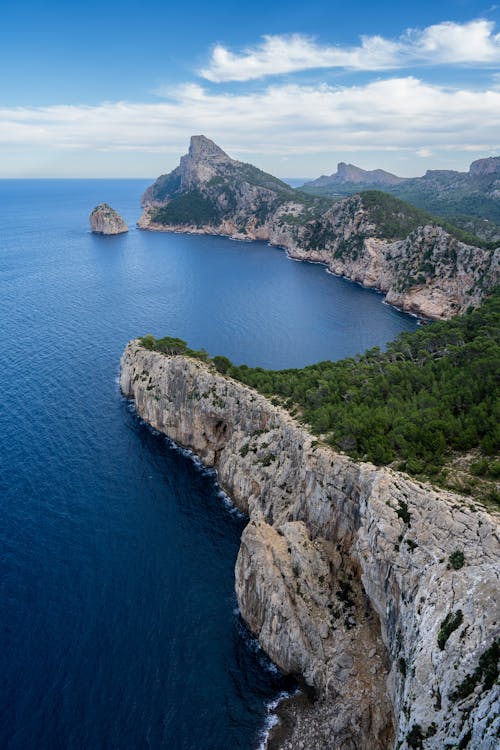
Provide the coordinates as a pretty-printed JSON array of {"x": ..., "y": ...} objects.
[
  {"x": 470, "y": 199},
  {"x": 349, "y": 178},
  {"x": 425, "y": 267}
]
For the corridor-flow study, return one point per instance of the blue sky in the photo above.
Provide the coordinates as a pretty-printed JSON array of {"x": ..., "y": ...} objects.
[{"x": 116, "y": 89}]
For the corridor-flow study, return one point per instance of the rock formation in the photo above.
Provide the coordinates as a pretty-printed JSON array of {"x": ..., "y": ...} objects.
[
  {"x": 377, "y": 241},
  {"x": 105, "y": 220},
  {"x": 381, "y": 591},
  {"x": 349, "y": 173}
]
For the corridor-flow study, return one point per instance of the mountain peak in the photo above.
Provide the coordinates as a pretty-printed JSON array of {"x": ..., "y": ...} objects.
[
  {"x": 202, "y": 148},
  {"x": 481, "y": 167}
]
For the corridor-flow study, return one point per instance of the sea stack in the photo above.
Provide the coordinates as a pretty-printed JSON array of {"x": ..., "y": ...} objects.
[{"x": 105, "y": 220}]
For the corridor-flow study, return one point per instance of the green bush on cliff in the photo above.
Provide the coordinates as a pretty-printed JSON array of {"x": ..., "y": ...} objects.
[
  {"x": 171, "y": 346},
  {"x": 396, "y": 219},
  {"x": 189, "y": 208},
  {"x": 430, "y": 392}
]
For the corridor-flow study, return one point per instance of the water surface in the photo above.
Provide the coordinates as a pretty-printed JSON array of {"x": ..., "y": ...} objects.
[{"x": 117, "y": 612}]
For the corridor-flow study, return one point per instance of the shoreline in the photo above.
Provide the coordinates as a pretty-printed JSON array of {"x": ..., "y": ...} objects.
[
  {"x": 317, "y": 517},
  {"x": 278, "y": 721},
  {"x": 424, "y": 319}
]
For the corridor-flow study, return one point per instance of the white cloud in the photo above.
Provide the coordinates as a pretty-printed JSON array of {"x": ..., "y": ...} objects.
[
  {"x": 445, "y": 43},
  {"x": 424, "y": 152},
  {"x": 391, "y": 115}
]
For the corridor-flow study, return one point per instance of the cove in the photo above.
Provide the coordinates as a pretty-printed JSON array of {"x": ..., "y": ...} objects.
[{"x": 116, "y": 551}]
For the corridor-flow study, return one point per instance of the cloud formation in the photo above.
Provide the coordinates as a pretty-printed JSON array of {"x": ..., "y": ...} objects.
[
  {"x": 447, "y": 43},
  {"x": 394, "y": 114}
]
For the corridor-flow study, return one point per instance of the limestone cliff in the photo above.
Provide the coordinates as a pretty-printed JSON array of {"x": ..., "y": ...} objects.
[
  {"x": 382, "y": 592},
  {"x": 371, "y": 238},
  {"x": 105, "y": 220}
]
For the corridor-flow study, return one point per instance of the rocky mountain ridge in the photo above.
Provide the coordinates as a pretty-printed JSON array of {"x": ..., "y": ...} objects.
[
  {"x": 351, "y": 174},
  {"x": 471, "y": 199},
  {"x": 379, "y": 590},
  {"x": 385, "y": 245}
]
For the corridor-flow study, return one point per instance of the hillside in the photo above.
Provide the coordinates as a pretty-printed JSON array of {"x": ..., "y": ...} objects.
[
  {"x": 428, "y": 405},
  {"x": 349, "y": 179},
  {"x": 470, "y": 200},
  {"x": 425, "y": 266}
]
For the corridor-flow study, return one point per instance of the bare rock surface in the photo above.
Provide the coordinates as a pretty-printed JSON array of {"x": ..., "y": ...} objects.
[
  {"x": 105, "y": 220},
  {"x": 344, "y": 572}
]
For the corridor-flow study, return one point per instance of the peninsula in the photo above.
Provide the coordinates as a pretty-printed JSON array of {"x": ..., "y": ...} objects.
[
  {"x": 424, "y": 266},
  {"x": 379, "y": 590}
]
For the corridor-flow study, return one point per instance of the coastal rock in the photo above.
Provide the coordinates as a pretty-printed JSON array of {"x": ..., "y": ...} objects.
[
  {"x": 105, "y": 220},
  {"x": 422, "y": 269},
  {"x": 344, "y": 570}
]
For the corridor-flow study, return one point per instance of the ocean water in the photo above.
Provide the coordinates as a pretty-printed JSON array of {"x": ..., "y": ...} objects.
[{"x": 119, "y": 626}]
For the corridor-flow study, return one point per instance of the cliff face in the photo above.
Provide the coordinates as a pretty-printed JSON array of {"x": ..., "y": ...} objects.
[
  {"x": 423, "y": 270},
  {"x": 344, "y": 572},
  {"x": 105, "y": 220}
]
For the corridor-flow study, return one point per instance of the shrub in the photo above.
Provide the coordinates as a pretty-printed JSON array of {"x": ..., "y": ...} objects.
[
  {"x": 451, "y": 622},
  {"x": 457, "y": 560}
]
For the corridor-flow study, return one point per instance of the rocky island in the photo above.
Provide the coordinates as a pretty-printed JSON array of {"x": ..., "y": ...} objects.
[
  {"x": 379, "y": 590},
  {"x": 105, "y": 220},
  {"x": 423, "y": 265}
]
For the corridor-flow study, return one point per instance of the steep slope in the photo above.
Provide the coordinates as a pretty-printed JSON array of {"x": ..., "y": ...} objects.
[
  {"x": 471, "y": 199},
  {"x": 370, "y": 238},
  {"x": 380, "y": 591}
]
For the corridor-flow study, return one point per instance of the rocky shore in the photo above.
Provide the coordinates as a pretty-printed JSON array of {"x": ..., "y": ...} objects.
[
  {"x": 423, "y": 269},
  {"x": 381, "y": 592}
]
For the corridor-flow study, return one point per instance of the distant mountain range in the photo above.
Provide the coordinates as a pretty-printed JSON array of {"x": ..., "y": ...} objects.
[
  {"x": 425, "y": 265},
  {"x": 470, "y": 199},
  {"x": 349, "y": 174}
]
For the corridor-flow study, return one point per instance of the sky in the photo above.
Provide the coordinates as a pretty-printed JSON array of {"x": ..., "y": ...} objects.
[{"x": 116, "y": 89}]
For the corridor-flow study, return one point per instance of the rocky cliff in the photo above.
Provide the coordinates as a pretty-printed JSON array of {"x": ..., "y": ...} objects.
[
  {"x": 371, "y": 238},
  {"x": 105, "y": 220},
  {"x": 380, "y": 591}
]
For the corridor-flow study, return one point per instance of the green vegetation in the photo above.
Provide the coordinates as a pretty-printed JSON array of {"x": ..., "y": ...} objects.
[
  {"x": 166, "y": 185},
  {"x": 190, "y": 208},
  {"x": 431, "y": 396},
  {"x": 456, "y": 560},
  {"x": 171, "y": 346},
  {"x": 396, "y": 219},
  {"x": 461, "y": 199},
  {"x": 487, "y": 671},
  {"x": 431, "y": 393},
  {"x": 451, "y": 622},
  {"x": 415, "y": 737}
]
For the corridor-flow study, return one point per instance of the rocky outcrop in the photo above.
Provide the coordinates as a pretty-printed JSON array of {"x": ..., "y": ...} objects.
[
  {"x": 349, "y": 173},
  {"x": 423, "y": 270},
  {"x": 380, "y": 591},
  {"x": 105, "y": 220}
]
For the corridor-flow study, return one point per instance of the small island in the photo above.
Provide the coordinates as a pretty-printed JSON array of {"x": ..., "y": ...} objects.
[{"x": 105, "y": 220}]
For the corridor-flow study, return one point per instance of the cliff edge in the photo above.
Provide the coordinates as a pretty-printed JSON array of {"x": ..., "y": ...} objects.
[{"x": 380, "y": 591}]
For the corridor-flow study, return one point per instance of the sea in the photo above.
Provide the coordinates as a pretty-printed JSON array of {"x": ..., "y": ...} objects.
[{"x": 119, "y": 625}]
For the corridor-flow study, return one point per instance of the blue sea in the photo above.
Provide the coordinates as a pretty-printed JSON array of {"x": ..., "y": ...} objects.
[{"x": 119, "y": 624}]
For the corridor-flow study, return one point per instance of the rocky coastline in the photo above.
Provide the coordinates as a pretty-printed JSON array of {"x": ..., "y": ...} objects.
[
  {"x": 380, "y": 591},
  {"x": 425, "y": 270}
]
